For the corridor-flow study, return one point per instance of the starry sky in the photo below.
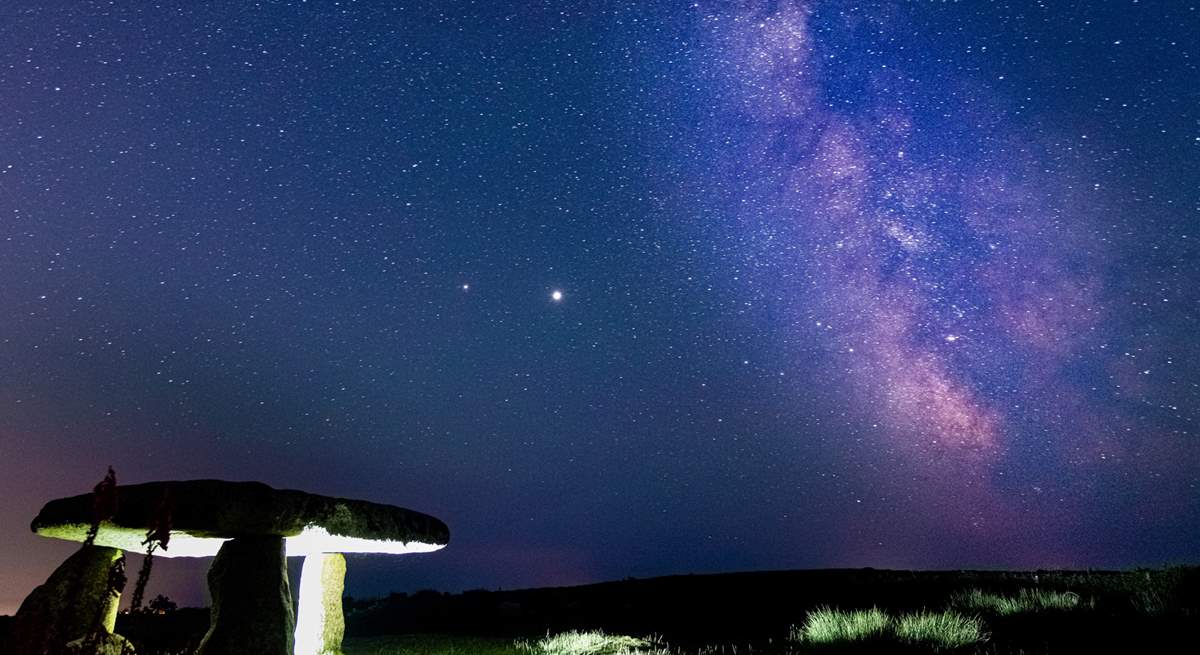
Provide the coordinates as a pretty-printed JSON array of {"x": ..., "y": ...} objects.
[{"x": 613, "y": 288}]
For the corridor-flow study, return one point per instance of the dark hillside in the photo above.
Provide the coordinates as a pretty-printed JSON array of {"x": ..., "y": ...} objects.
[{"x": 750, "y": 607}]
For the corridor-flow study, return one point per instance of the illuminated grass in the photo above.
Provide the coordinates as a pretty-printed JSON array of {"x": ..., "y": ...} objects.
[
  {"x": 940, "y": 629},
  {"x": 1026, "y": 601},
  {"x": 935, "y": 630},
  {"x": 429, "y": 644},
  {"x": 587, "y": 643},
  {"x": 566, "y": 643},
  {"x": 828, "y": 626}
]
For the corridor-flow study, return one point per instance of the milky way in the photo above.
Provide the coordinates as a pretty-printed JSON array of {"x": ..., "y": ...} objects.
[{"x": 957, "y": 268}]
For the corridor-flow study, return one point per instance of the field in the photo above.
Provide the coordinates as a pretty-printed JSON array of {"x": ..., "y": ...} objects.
[
  {"x": 813, "y": 612},
  {"x": 769, "y": 613}
]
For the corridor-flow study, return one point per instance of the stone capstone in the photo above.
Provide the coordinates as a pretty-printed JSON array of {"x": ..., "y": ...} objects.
[
  {"x": 251, "y": 599},
  {"x": 203, "y": 513},
  {"x": 320, "y": 624},
  {"x": 73, "y": 602}
]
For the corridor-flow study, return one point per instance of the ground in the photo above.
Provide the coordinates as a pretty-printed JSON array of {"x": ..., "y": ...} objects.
[{"x": 768, "y": 613}]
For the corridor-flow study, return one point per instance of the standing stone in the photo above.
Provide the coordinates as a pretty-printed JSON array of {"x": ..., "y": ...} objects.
[
  {"x": 73, "y": 602},
  {"x": 103, "y": 644},
  {"x": 246, "y": 525},
  {"x": 251, "y": 599},
  {"x": 320, "y": 625}
]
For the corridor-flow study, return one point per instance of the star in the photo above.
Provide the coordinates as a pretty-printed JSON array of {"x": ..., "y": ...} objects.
[{"x": 556, "y": 295}]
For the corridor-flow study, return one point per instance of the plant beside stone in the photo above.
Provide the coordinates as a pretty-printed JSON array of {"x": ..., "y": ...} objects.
[
  {"x": 75, "y": 610},
  {"x": 157, "y": 536},
  {"x": 104, "y": 505},
  {"x": 98, "y": 639}
]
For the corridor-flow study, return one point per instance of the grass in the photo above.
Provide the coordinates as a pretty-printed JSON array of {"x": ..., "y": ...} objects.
[
  {"x": 587, "y": 643},
  {"x": 1024, "y": 602},
  {"x": 425, "y": 644},
  {"x": 827, "y": 626},
  {"x": 940, "y": 630},
  {"x": 564, "y": 643}
]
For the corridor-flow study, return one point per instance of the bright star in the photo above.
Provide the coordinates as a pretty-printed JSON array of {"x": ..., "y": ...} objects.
[{"x": 556, "y": 295}]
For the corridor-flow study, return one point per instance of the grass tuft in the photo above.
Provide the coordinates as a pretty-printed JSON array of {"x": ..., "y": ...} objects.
[
  {"x": 927, "y": 630},
  {"x": 588, "y": 643},
  {"x": 429, "y": 644},
  {"x": 940, "y": 629},
  {"x": 827, "y": 626},
  {"x": 1026, "y": 601}
]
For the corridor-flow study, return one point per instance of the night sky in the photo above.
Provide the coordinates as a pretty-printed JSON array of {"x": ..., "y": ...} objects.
[{"x": 613, "y": 288}]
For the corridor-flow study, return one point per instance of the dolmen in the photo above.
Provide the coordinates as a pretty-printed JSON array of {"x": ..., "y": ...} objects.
[{"x": 250, "y": 528}]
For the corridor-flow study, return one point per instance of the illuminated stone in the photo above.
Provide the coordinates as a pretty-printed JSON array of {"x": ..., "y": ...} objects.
[
  {"x": 214, "y": 517},
  {"x": 320, "y": 625},
  {"x": 103, "y": 644},
  {"x": 73, "y": 602},
  {"x": 204, "y": 513},
  {"x": 251, "y": 599}
]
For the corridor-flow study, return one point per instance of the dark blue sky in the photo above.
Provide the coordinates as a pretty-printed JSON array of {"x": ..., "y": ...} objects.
[{"x": 844, "y": 284}]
